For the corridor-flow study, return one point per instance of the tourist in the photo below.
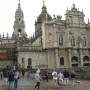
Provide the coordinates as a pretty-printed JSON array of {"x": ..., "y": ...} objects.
[
  {"x": 1, "y": 74},
  {"x": 54, "y": 75},
  {"x": 29, "y": 70},
  {"x": 72, "y": 74},
  {"x": 6, "y": 74},
  {"x": 38, "y": 79},
  {"x": 46, "y": 75},
  {"x": 60, "y": 78},
  {"x": 16, "y": 78},
  {"x": 66, "y": 76},
  {"x": 11, "y": 79},
  {"x": 23, "y": 72}
]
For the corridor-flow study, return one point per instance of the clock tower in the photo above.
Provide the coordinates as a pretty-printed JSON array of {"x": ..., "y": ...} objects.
[{"x": 19, "y": 24}]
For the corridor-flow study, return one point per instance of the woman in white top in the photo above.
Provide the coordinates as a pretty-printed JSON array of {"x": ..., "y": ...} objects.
[
  {"x": 16, "y": 77},
  {"x": 54, "y": 75}
]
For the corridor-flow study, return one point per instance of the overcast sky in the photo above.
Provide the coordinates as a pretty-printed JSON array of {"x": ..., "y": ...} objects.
[{"x": 32, "y": 8}]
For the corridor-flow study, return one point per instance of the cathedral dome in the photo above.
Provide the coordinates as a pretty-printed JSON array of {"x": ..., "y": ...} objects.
[
  {"x": 44, "y": 15},
  {"x": 19, "y": 13}
]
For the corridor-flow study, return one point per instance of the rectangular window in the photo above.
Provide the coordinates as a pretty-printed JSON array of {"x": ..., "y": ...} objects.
[
  {"x": 29, "y": 61},
  {"x": 22, "y": 60},
  {"x": 60, "y": 40},
  {"x": 61, "y": 61}
]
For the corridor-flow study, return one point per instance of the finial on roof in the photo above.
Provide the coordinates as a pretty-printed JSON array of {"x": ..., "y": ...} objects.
[
  {"x": 44, "y": 9},
  {"x": 3, "y": 35},
  {"x": 43, "y": 2},
  {"x": 19, "y": 4},
  {"x": 73, "y": 5}
]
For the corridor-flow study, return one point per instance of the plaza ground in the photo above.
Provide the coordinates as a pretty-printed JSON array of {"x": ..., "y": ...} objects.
[{"x": 28, "y": 84}]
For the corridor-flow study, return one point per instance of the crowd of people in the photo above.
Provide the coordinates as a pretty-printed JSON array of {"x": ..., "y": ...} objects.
[
  {"x": 11, "y": 75},
  {"x": 62, "y": 78}
]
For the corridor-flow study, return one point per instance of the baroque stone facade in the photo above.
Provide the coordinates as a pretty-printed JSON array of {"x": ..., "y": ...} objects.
[{"x": 56, "y": 43}]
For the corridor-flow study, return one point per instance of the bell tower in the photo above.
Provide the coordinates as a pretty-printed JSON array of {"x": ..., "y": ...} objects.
[{"x": 19, "y": 24}]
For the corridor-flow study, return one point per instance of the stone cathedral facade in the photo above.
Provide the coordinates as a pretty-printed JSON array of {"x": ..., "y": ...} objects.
[{"x": 56, "y": 43}]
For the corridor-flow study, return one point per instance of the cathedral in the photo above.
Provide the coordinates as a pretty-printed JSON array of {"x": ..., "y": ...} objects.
[{"x": 56, "y": 43}]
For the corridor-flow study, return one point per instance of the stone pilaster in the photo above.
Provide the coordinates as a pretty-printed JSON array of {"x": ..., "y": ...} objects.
[
  {"x": 57, "y": 63},
  {"x": 69, "y": 57}
]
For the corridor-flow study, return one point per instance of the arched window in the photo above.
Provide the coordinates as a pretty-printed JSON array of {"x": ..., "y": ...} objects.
[
  {"x": 19, "y": 30},
  {"x": 84, "y": 41},
  {"x": 86, "y": 61},
  {"x": 74, "y": 61},
  {"x": 72, "y": 41},
  {"x": 61, "y": 40},
  {"x": 85, "y": 58},
  {"x": 61, "y": 61}
]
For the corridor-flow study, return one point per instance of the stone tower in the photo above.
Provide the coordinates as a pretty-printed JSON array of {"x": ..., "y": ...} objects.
[
  {"x": 41, "y": 18},
  {"x": 19, "y": 24}
]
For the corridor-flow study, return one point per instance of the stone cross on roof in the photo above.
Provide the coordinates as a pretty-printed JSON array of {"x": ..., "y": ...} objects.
[
  {"x": 19, "y": 4},
  {"x": 19, "y": 1}
]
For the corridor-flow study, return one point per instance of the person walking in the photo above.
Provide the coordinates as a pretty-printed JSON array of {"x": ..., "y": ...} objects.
[
  {"x": 16, "y": 77},
  {"x": 66, "y": 76},
  {"x": 11, "y": 79},
  {"x": 29, "y": 71},
  {"x": 23, "y": 72},
  {"x": 72, "y": 75},
  {"x": 60, "y": 78},
  {"x": 1, "y": 74},
  {"x": 46, "y": 75},
  {"x": 38, "y": 80},
  {"x": 54, "y": 75}
]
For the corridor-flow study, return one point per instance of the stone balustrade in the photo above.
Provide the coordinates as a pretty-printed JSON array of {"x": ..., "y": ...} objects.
[{"x": 29, "y": 48}]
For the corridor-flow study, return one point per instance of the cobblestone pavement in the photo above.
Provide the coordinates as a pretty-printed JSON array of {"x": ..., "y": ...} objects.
[{"x": 28, "y": 84}]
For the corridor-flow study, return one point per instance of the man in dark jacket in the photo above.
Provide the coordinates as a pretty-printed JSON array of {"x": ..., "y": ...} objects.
[
  {"x": 66, "y": 76},
  {"x": 11, "y": 79}
]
